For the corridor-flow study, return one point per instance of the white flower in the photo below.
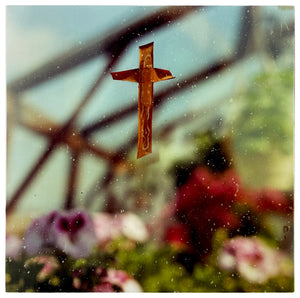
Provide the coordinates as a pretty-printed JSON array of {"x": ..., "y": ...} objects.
[
  {"x": 132, "y": 286},
  {"x": 134, "y": 228}
]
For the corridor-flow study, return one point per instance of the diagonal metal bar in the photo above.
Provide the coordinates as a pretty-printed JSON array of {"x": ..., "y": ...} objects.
[
  {"x": 59, "y": 136},
  {"x": 89, "y": 95},
  {"x": 111, "y": 44},
  {"x": 74, "y": 140},
  {"x": 10, "y": 206},
  {"x": 71, "y": 188}
]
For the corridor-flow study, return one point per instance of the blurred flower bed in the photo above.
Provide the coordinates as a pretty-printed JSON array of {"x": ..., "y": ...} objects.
[{"x": 216, "y": 237}]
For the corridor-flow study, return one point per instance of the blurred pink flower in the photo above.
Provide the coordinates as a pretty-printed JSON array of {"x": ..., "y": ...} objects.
[
  {"x": 103, "y": 287},
  {"x": 112, "y": 280},
  {"x": 251, "y": 258},
  {"x": 50, "y": 265},
  {"x": 107, "y": 227},
  {"x": 71, "y": 232},
  {"x": 13, "y": 246},
  {"x": 123, "y": 280},
  {"x": 111, "y": 226}
]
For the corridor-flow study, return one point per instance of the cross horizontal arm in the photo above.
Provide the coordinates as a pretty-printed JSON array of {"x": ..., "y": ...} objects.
[
  {"x": 131, "y": 75},
  {"x": 161, "y": 75}
]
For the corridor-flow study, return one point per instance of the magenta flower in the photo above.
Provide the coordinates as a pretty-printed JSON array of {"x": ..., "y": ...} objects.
[
  {"x": 71, "y": 232},
  {"x": 251, "y": 258}
]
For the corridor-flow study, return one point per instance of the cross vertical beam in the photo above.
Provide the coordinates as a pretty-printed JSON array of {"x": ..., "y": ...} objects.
[{"x": 145, "y": 75}]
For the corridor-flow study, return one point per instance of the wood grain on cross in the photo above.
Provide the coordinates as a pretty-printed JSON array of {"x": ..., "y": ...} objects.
[{"x": 145, "y": 75}]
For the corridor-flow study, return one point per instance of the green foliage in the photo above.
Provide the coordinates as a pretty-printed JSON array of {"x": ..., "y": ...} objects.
[
  {"x": 157, "y": 269},
  {"x": 266, "y": 117},
  {"x": 154, "y": 266},
  {"x": 21, "y": 278}
]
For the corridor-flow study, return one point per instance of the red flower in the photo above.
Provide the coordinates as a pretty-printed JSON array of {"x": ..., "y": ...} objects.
[
  {"x": 205, "y": 203},
  {"x": 269, "y": 200},
  {"x": 204, "y": 188},
  {"x": 178, "y": 235}
]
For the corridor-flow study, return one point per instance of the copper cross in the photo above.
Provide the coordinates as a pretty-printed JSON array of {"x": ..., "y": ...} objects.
[{"x": 145, "y": 75}]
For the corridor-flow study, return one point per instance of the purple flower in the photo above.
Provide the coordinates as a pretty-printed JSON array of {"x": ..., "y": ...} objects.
[
  {"x": 71, "y": 232},
  {"x": 251, "y": 258},
  {"x": 38, "y": 239},
  {"x": 13, "y": 246}
]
